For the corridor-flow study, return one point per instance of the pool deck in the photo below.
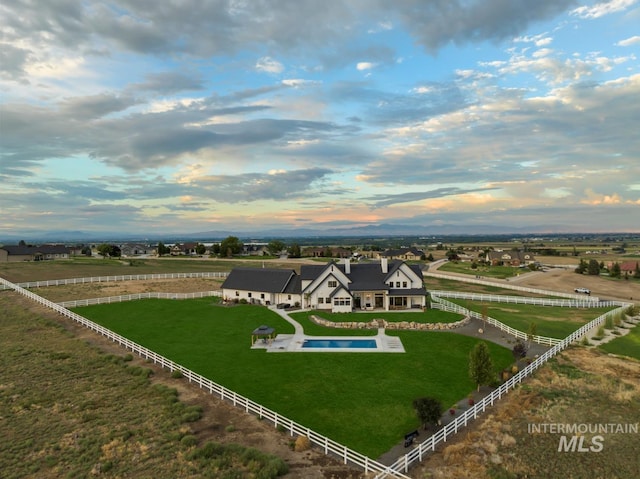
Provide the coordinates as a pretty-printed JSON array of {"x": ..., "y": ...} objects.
[{"x": 292, "y": 343}]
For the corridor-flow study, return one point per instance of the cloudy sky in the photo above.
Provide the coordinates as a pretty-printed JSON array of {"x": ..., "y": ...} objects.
[{"x": 149, "y": 116}]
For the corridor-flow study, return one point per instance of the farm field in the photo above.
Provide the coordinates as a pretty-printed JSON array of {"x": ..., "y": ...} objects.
[
  {"x": 552, "y": 322},
  {"x": 581, "y": 386},
  {"x": 362, "y": 400},
  {"x": 70, "y": 410}
]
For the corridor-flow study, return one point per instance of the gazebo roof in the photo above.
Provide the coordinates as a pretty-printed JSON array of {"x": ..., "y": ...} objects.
[{"x": 263, "y": 331}]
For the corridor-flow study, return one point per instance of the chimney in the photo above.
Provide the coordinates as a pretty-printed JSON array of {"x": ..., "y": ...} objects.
[
  {"x": 384, "y": 265},
  {"x": 347, "y": 266}
]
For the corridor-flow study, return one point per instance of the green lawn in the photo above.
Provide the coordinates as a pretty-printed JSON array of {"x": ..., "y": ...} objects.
[
  {"x": 552, "y": 322},
  {"x": 627, "y": 345},
  {"x": 464, "y": 267},
  {"x": 362, "y": 400}
]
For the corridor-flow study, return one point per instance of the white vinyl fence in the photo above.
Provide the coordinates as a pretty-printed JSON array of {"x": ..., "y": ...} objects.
[
  {"x": 445, "y": 305},
  {"x": 133, "y": 297},
  {"x": 419, "y": 452},
  {"x": 348, "y": 456},
  {"x": 127, "y": 277},
  {"x": 506, "y": 285},
  {"x": 581, "y": 302}
]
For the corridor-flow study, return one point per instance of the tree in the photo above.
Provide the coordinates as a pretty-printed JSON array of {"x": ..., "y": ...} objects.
[
  {"x": 615, "y": 272},
  {"x": 533, "y": 330},
  {"x": 103, "y": 249},
  {"x": 230, "y": 245},
  {"x": 519, "y": 350},
  {"x": 636, "y": 272},
  {"x": 108, "y": 250},
  {"x": 201, "y": 249},
  {"x": 582, "y": 267},
  {"x": 428, "y": 409},
  {"x": 481, "y": 365},
  {"x": 294, "y": 250},
  {"x": 594, "y": 268},
  {"x": 215, "y": 249},
  {"x": 162, "y": 249},
  {"x": 22, "y": 243},
  {"x": 275, "y": 247},
  {"x": 86, "y": 250}
]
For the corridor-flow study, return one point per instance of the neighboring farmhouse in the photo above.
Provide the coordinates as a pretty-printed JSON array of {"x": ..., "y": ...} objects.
[
  {"x": 510, "y": 258},
  {"x": 16, "y": 253},
  {"x": 405, "y": 254},
  {"x": 345, "y": 287}
]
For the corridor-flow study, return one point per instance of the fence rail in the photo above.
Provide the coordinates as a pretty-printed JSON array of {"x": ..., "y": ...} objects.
[
  {"x": 429, "y": 445},
  {"x": 133, "y": 297},
  {"x": 127, "y": 277},
  {"x": 581, "y": 302},
  {"x": 467, "y": 279},
  {"x": 348, "y": 456}
]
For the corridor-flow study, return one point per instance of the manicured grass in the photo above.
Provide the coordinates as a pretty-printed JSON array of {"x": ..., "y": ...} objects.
[
  {"x": 362, "y": 400},
  {"x": 552, "y": 322},
  {"x": 627, "y": 345},
  {"x": 500, "y": 272}
]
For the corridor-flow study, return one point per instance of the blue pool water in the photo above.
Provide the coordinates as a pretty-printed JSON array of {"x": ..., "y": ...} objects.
[{"x": 340, "y": 343}]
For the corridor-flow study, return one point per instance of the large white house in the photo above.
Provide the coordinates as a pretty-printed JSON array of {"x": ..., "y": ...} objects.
[{"x": 338, "y": 287}]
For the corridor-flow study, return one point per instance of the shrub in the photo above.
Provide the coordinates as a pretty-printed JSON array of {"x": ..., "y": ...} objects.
[
  {"x": 189, "y": 440},
  {"x": 176, "y": 374},
  {"x": 608, "y": 322},
  {"x": 302, "y": 444},
  {"x": 230, "y": 428}
]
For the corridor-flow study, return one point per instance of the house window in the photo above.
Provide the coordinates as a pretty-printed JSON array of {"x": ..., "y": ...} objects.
[
  {"x": 333, "y": 284},
  {"x": 397, "y": 284},
  {"x": 342, "y": 302},
  {"x": 249, "y": 295},
  {"x": 404, "y": 284},
  {"x": 320, "y": 300},
  {"x": 261, "y": 295},
  {"x": 289, "y": 296},
  {"x": 328, "y": 300},
  {"x": 237, "y": 293}
]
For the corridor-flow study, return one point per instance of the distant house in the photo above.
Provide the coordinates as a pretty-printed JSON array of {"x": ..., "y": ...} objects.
[
  {"x": 510, "y": 258},
  {"x": 255, "y": 249},
  {"x": 337, "y": 287},
  {"x": 405, "y": 254},
  {"x": 16, "y": 253},
  {"x": 327, "y": 252},
  {"x": 131, "y": 249},
  {"x": 626, "y": 267},
  {"x": 180, "y": 249}
]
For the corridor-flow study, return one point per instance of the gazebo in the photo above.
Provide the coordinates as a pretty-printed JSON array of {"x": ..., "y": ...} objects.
[{"x": 266, "y": 333}]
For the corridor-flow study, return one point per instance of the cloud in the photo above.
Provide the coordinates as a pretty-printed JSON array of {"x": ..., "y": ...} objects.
[
  {"x": 635, "y": 40},
  {"x": 169, "y": 83},
  {"x": 273, "y": 185},
  {"x": 361, "y": 66},
  {"x": 269, "y": 65},
  {"x": 380, "y": 201},
  {"x": 603, "y": 8}
]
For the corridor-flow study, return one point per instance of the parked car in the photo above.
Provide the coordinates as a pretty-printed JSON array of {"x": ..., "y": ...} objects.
[{"x": 582, "y": 290}]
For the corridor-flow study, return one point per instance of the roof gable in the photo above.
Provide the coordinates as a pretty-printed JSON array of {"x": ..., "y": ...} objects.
[{"x": 268, "y": 280}]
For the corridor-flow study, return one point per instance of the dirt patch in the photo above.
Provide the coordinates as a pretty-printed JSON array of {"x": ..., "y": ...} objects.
[
  {"x": 567, "y": 280},
  {"x": 73, "y": 292}
]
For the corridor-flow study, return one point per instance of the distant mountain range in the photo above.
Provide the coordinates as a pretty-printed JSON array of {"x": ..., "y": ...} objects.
[{"x": 379, "y": 230}]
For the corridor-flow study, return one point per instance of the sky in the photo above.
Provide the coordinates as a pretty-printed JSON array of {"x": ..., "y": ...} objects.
[{"x": 151, "y": 117}]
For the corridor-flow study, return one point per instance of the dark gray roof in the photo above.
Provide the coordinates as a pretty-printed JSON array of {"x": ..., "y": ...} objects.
[
  {"x": 43, "y": 249},
  {"x": 268, "y": 280}
]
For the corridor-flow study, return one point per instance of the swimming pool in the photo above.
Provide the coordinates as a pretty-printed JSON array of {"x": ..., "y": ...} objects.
[{"x": 340, "y": 343}]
